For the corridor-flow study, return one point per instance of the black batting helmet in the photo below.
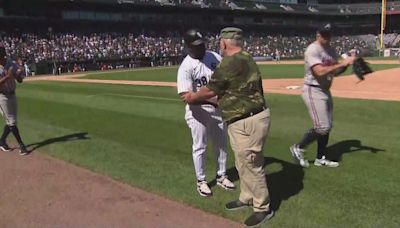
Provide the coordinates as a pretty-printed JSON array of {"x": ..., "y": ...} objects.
[{"x": 193, "y": 37}]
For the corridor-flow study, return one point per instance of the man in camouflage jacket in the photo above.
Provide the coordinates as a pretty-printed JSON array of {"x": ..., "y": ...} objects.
[{"x": 237, "y": 83}]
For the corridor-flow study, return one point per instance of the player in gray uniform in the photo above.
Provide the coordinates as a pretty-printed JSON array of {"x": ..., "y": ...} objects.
[
  {"x": 321, "y": 66},
  {"x": 10, "y": 71}
]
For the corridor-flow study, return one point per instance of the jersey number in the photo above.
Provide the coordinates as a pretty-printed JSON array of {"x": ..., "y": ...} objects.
[{"x": 201, "y": 82}]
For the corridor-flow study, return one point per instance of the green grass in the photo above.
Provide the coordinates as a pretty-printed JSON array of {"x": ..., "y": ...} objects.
[
  {"x": 138, "y": 135},
  {"x": 382, "y": 58},
  {"x": 169, "y": 74},
  {"x": 161, "y": 74}
]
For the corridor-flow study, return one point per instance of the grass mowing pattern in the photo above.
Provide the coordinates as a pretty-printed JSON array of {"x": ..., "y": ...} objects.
[
  {"x": 169, "y": 74},
  {"x": 138, "y": 136}
]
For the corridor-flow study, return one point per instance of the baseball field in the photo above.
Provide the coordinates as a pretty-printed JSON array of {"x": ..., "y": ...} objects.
[{"x": 136, "y": 135}]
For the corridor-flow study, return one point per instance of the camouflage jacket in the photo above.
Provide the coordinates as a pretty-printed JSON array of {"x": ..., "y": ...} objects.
[{"x": 238, "y": 85}]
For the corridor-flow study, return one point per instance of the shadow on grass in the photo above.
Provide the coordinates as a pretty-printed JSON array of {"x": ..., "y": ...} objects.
[
  {"x": 336, "y": 151},
  {"x": 66, "y": 138},
  {"x": 282, "y": 184}
]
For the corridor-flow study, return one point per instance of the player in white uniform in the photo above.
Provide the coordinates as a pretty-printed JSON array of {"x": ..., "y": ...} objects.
[{"x": 203, "y": 119}]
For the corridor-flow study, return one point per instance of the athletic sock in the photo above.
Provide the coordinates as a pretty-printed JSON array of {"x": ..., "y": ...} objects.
[
  {"x": 6, "y": 132},
  {"x": 15, "y": 131},
  {"x": 309, "y": 137},
  {"x": 322, "y": 142}
]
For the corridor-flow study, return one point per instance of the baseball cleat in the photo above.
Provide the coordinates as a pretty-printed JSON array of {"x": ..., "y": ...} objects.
[
  {"x": 4, "y": 147},
  {"x": 225, "y": 183},
  {"x": 298, "y": 155},
  {"x": 203, "y": 189},
  {"x": 325, "y": 162},
  {"x": 23, "y": 150}
]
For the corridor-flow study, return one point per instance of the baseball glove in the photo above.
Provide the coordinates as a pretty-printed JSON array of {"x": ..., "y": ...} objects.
[{"x": 361, "y": 68}]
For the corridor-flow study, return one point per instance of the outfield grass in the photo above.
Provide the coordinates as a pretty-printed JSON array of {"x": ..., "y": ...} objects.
[
  {"x": 367, "y": 58},
  {"x": 138, "y": 135},
  {"x": 382, "y": 58},
  {"x": 169, "y": 74}
]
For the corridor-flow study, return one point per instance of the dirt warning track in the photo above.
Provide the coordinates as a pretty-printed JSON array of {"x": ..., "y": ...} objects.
[{"x": 40, "y": 191}]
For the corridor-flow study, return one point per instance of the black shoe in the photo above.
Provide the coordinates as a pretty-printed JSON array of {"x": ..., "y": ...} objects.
[
  {"x": 258, "y": 218},
  {"x": 23, "y": 150},
  {"x": 237, "y": 205},
  {"x": 4, "y": 147}
]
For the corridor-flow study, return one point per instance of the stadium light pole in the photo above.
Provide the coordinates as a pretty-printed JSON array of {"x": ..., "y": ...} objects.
[{"x": 383, "y": 21}]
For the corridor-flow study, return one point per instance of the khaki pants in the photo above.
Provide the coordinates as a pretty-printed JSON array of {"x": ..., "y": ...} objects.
[{"x": 247, "y": 137}]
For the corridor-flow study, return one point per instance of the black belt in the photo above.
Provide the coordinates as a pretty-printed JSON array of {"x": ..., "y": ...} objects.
[
  {"x": 7, "y": 93},
  {"x": 314, "y": 85},
  {"x": 317, "y": 86},
  {"x": 251, "y": 113}
]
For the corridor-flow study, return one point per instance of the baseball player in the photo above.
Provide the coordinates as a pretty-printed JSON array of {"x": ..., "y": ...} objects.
[
  {"x": 10, "y": 71},
  {"x": 204, "y": 119},
  {"x": 320, "y": 67},
  {"x": 277, "y": 56}
]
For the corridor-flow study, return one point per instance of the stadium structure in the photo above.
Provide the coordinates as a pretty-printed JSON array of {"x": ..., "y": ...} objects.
[{"x": 279, "y": 19}]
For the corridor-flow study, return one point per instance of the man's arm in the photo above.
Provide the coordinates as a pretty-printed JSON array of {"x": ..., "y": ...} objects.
[
  {"x": 19, "y": 79},
  {"x": 5, "y": 78},
  {"x": 19, "y": 75},
  {"x": 216, "y": 86},
  {"x": 199, "y": 97},
  {"x": 320, "y": 70},
  {"x": 184, "y": 81},
  {"x": 185, "y": 84},
  {"x": 340, "y": 70}
]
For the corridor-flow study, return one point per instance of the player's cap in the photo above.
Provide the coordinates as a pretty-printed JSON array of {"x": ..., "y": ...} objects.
[
  {"x": 193, "y": 37},
  {"x": 325, "y": 28},
  {"x": 231, "y": 33}
]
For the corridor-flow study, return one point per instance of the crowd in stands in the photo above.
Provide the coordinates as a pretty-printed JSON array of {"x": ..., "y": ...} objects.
[
  {"x": 73, "y": 50},
  {"x": 73, "y": 47}
]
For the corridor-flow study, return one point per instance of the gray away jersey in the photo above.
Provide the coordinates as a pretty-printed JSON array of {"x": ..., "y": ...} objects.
[
  {"x": 9, "y": 85},
  {"x": 315, "y": 54}
]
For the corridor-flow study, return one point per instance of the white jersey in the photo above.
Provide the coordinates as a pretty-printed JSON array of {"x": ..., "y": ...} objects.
[{"x": 195, "y": 73}]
